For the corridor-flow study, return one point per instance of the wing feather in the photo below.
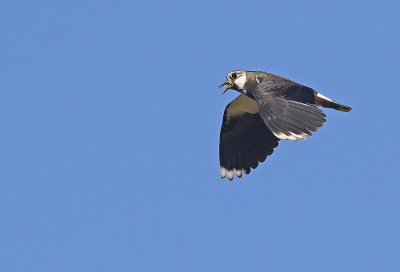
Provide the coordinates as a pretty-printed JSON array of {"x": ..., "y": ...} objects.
[
  {"x": 288, "y": 113},
  {"x": 245, "y": 140}
]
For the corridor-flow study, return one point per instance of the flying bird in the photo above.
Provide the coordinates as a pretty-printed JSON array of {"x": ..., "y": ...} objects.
[{"x": 270, "y": 108}]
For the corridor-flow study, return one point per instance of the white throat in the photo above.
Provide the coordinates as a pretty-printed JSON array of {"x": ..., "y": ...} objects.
[{"x": 241, "y": 81}]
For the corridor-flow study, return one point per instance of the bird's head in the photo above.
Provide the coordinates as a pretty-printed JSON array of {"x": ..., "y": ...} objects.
[{"x": 235, "y": 80}]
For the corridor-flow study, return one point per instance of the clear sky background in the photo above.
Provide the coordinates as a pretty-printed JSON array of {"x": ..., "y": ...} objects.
[{"x": 110, "y": 117}]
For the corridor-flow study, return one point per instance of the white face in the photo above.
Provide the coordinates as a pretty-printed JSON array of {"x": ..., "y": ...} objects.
[{"x": 237, "y": 79}]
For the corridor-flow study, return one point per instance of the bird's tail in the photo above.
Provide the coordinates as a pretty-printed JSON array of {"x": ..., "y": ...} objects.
[{"x": 321, "y": 100}]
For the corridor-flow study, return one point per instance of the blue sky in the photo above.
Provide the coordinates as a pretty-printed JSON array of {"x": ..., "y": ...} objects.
[{"x": 110, "y": 117}]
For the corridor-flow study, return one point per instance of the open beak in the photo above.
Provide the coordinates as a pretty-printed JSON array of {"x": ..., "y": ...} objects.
[{"x": 225, "y": 83}]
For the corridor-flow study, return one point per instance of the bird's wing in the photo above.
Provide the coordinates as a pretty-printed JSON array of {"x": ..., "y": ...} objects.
[
  {"x": 244, "y": 140},
  {"x": 289, "y": 112}
]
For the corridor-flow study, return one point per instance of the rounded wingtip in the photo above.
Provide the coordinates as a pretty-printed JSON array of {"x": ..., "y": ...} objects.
[
  {"x": 238, "y": 173},
  {"x": 231, "y": 173}
]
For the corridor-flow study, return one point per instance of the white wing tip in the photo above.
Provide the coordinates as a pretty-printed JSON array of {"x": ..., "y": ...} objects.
[
  {"x": 292, "y": 136},
  {"x": 238, "y": 173},
  {"x": 230, "y": 173},
  {"x": 223, "y": 172}
]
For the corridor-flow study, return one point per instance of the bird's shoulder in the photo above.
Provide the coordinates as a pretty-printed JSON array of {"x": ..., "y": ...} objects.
[
  {"x": 269, "y": 85},
  {"x": 263, "y": 78}
]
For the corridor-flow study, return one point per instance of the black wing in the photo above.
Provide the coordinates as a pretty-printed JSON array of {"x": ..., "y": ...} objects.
[
  {"x": 245, "y": 140},
  {"x": 289, "y": 112}
]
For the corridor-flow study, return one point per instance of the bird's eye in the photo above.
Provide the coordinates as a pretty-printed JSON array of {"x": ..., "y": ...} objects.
[{"x": 234, "y": 75}]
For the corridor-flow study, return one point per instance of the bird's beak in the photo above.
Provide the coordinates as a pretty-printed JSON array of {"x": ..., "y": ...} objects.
[{"x": 225, "y": 83}]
